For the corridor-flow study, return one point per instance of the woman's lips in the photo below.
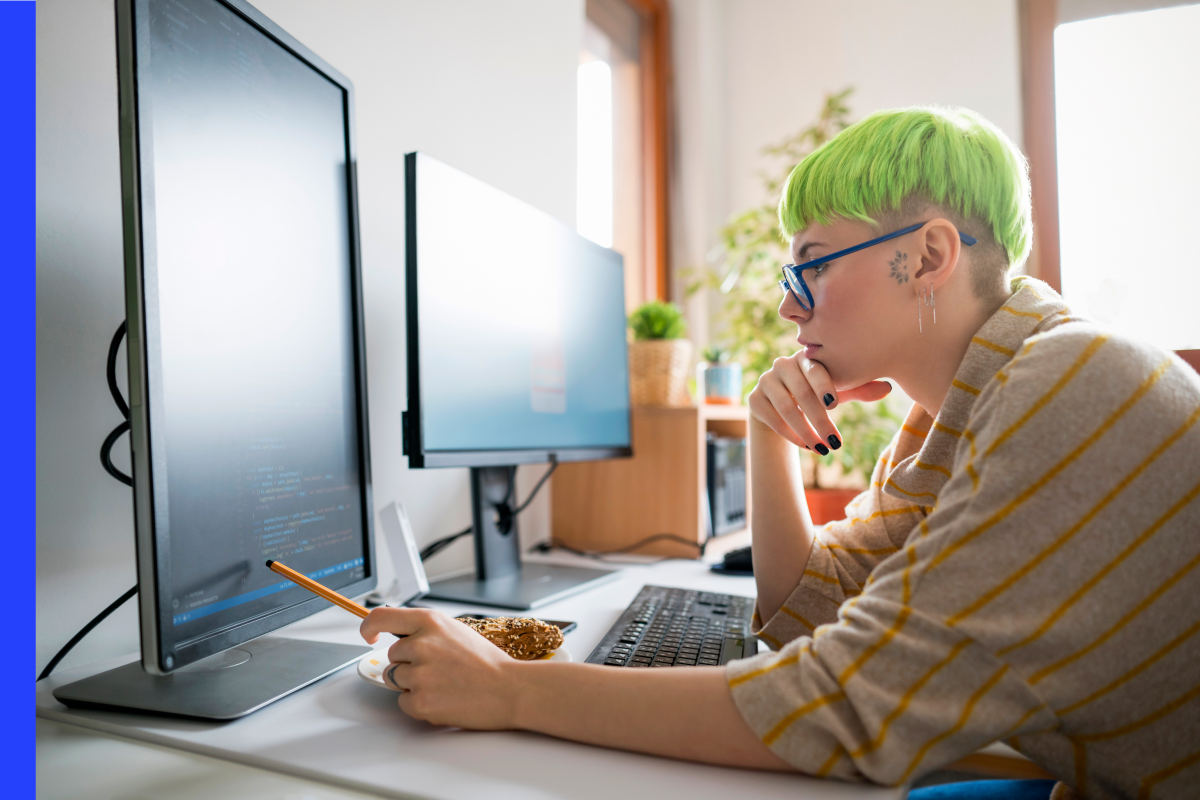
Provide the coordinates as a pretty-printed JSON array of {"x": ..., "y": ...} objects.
[{"x": 811, "y": 350}]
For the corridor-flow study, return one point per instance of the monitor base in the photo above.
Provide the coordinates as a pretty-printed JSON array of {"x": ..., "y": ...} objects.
[
  {"x": 534, "y": 585},
  {"x": 227, "y": 685}
]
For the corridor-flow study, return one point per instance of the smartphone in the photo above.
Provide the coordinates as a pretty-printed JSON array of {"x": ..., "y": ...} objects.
[{"x": 565, "y": 627}]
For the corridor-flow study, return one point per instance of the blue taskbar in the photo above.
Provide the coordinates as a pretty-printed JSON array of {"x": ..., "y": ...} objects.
[{"x": 248, "y": 597}]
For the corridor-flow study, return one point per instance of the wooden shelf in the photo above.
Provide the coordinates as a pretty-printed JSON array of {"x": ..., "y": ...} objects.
[{"x": 606, "y": 505}]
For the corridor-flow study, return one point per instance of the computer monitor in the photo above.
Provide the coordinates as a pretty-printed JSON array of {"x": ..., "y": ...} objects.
[
  {"x": 516, "y": 355},
  {"x": 247, "y": 371}
]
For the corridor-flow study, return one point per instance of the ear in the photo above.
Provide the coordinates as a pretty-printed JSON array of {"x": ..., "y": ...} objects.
[{"x": 938, "y": 248}]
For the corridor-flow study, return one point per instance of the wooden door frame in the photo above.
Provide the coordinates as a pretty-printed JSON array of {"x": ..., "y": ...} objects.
[
  {"x": 1037, "y": 20},
  {"x": 657, "y": 106}
]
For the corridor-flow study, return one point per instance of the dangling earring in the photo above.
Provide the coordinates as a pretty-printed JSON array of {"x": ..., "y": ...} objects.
[
  {"x": 933, "y": 304},
  {"x": 920, "y": 302}
]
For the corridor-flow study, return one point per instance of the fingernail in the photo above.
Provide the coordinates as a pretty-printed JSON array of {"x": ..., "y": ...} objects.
[
  {"x": 822, "y": 449},
  {"x": 834, "y": 442},
  {"x": 828, "y": 398}
]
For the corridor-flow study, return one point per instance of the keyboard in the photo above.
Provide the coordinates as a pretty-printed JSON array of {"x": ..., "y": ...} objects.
[{"x": 665, "y": 627}]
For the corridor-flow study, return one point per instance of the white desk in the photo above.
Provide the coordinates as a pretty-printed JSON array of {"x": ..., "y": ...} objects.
[{"x": 342, "y": 738}]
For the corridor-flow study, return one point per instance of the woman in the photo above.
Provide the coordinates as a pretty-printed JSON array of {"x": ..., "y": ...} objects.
[{"x": 1023, "y": 567}]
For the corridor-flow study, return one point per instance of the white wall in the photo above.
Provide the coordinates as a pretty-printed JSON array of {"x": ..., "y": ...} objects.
[
  {"x": 488, "y": 87},
  {"x": 750, "y": 72}
]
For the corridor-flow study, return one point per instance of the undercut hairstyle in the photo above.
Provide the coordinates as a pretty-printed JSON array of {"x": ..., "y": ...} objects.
[{"x": 896, "y": 167}]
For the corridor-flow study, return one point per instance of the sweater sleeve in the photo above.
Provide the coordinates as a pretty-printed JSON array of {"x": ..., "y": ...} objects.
[
  {"x": 846, "y": 551},
  {"x": 956, "y": 640}
]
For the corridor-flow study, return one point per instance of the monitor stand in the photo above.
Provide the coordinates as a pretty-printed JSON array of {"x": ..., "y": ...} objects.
[
  {"x": 500, "y": 579},
  {"x": 227, "y": 685}
]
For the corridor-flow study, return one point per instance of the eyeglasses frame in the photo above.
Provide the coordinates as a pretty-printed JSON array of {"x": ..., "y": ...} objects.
[{"x": 796, "y": 271}]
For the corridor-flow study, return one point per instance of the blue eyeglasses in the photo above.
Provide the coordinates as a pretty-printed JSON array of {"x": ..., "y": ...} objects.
[{"x": 793, "y": 274}]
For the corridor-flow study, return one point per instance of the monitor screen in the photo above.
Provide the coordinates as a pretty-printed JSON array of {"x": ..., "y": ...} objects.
[
  {"x": 519, "y": 329},
  {"x": 256, "y": 423}
]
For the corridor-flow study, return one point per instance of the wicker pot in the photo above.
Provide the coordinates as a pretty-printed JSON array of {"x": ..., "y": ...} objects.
[{"x": 658, "y": 372}]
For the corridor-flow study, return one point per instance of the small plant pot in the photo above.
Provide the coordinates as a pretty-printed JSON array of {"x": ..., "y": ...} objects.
[
  {"x": 658, "y": 372},
  {"x": 720, "y": 383},
  {"x": 828, "y": 505}
]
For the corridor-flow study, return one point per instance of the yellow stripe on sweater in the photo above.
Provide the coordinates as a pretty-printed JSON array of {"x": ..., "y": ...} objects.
[
  {"x": 962, "y": 721},
  {"x": 933, "y": 467},
  {"x": 937, "y": 426},
  {"x": 783, "y": 662},
  {"x": 876, "y": 515},
  {"x": 902, "y": 706},
  {"x": 798, "y": 618},
  {"x": 966, "y": 387},
  {"x": 993, "y": 346},
  {"x": 878, "y": 645},
  {"x": 786, "y": 722},
  {"x": 1057, "y": 468},
  {"x": 1040, "y": 675},
  {"x": 1091, "y": 584},
  {"x": 1058, "y": 543},
  {"x": 1133, "y": 673},
  {"x": 1016, "y": 313},
  {"x": 1179, "y": 766},
  {"x": 898, "y": 488},
  {"x": 1149, "y": 719},
  {"x": 1041, "y": 403}
]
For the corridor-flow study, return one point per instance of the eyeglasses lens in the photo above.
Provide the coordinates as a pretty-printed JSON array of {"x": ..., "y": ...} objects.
[{"x": 793, "y": 283}]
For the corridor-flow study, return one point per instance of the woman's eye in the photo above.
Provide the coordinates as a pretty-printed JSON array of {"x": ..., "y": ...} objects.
[{"x": 817, "y": 270}]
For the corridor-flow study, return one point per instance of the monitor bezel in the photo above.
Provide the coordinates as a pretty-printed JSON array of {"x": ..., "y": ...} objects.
[
  {"x": 413, "y": 433},
  {"x": 162, "y": 654}
]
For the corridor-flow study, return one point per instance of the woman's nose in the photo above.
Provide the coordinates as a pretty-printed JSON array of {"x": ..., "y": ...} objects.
[{"x": 790, "y": 309}]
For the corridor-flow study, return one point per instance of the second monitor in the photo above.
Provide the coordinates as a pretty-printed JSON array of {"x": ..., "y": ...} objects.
[{"x": 516, "y": 355}]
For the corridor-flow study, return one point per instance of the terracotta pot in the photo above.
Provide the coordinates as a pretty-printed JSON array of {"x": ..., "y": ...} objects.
[
  {"x": 658, "y": 371},
  {"x": 828, "y": 505}
]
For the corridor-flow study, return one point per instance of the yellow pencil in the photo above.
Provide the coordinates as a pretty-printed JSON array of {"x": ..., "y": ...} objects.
[{"x": 316, "y": 588}]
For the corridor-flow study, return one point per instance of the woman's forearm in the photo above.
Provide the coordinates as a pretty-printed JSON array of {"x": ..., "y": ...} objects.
[
  {"x": 682, "y": 712},
  {"x": 782, "y": 528}
]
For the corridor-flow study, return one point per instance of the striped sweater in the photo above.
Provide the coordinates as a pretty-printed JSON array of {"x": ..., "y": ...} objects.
[{"x": 1023, "y": 568}]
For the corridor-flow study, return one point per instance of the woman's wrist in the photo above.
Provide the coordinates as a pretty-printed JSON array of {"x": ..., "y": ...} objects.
[{"x": 521, "y": 682}]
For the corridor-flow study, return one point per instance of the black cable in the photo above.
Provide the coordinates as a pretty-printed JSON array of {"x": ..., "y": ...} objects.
[
  {"x": 545, "y": 546},
  {"x": 441, "y": 544},
  {"x": 533, "y": 494},
  {"x": 86, "y": 630},
  {"x": 106, "y": 460},
  {"x": 111, "y": 439},
  {"x": 113, "y": 347}
]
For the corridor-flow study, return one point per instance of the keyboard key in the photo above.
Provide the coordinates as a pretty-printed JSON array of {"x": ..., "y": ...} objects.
[{"x": 709, "y": 662}]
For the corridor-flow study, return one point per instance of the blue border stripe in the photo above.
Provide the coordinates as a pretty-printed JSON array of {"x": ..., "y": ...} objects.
[{"x": 257, "y": 594}]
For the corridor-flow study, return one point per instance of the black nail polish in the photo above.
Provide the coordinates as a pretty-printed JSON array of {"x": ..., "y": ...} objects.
[
  {"x": 822, "y": 449},
  {"x": 828, "y": 398},
  {"x": 834, "y": 442}
]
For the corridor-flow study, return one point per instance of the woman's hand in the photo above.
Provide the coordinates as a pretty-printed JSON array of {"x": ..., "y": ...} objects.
[
  {"x": 451, "y": 675},
  {"x": 794, "y": 397}
]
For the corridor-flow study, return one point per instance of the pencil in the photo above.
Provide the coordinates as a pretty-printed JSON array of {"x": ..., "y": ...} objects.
[{"x": 316, "y": 588}]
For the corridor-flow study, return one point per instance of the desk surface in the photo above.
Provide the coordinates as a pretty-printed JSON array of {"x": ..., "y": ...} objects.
[{"x": 350, "y": 737}]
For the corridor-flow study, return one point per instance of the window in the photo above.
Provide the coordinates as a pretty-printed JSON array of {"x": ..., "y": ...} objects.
[
  {"x": 622, "y": 154},
  {"x": 1127, "y": 108}
]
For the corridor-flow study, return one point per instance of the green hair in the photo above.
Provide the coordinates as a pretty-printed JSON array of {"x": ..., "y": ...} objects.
[{"x": 895, "y": 163}]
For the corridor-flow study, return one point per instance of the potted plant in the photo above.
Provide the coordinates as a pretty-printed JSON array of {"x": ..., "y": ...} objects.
[
  {"x": 718, "y": 379},
  {"x": 832, "y": 481},
  {"x": 658, "y": 356}
]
